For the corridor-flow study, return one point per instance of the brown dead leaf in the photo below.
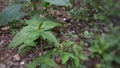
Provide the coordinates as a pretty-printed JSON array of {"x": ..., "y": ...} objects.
[{"x": 16, "y": 57}]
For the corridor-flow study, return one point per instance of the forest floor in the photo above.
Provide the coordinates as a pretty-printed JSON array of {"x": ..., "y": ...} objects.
[{"x": 10, "y": 58}]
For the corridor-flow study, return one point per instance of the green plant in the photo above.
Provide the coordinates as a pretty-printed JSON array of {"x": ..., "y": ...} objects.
[
  {"x": 43, "y": 62},
  {"x": 33, "y": 31},
  {"x": 59, "y": 2},
  {"x": 17, "y": 9},
  {"x": 95, "y": 10},
  {"x": 106, "y": 48},
  {"x": 72, "y": 55},
  {"x": 36, "y": 26},
  {"x": 82, "y": 14},
  {"x": 12, "y": 13},
  {"x": 87, "y": 34}
]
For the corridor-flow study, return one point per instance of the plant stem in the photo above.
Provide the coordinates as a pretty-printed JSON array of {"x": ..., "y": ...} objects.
[
  {"x": 34, "y": 6},
  {"x": 41, "y": 46}
]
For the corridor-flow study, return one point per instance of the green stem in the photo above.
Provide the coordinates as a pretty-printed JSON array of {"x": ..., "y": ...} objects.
[
  {"x": 41, "y": 46},
  {"x": 34, "y": 6}
]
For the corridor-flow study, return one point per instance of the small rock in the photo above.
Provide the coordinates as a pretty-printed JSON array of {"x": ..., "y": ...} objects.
[
  {"x": 2, "y": 66},
  {"x": 58, "y": 60},
  {"x": 31, "y": 55},
  {"x": 106, "y": 29},
  {"x": 2, "y": 42},
  {"x": 16, "y": 57},
  {"x": 86, "y": 44},
  {"x": 73, "y": 31},
  {"x": 23, "y": 62},
  {"x": 64, "y": 19},
  {"x": 5, "y": 28},
  {"x": 2, "y": 58}
]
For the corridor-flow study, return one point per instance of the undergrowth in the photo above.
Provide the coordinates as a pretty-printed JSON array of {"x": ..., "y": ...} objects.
[{"x": 36, "y": 25}]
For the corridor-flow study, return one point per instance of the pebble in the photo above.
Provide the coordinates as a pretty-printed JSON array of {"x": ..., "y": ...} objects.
[
  {"x": 106, "y": 29},
  {"x": 23, "y": 62},
  {"x": 2, "y": 66},
  {"x": 2, "y": 42},
  {"x": 5, "y": 28},
  {"x": 16, "y": 57},
  {"x": 73, "y": 31},
  {"x": 64, "y": 19}
]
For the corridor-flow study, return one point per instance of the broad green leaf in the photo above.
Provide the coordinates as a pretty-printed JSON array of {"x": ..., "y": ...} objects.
[
  {"x": 64, "y": 58},
  {"x": 45, "y": 4},
  {"x": 48, "y": 61},
  {"x": 77, "y": 61},
  {"x": 83, "y": 57},
  {"x": 25, "y": 48},
  {"x": 59, "y": 2},
  {"x": 92, "y": 49},
  {"x": 27, "y": 33},
  {"x": 70, "y": 55},
  {"x": 33, "y": 23},
  {"x": 23, "y": 1},
  {"x": 44, "y": 66},
  {"x": 77, "y": 47},
  {"x": 49, "y": 25},
  {"x": 27, "y": 44},
  {"x": 41, "y": 60},
  {"x": 117, "y": 59},
  {"x": 49, "y": 36},
  {"x": 36, "y": 17},
  {"x": 108, "y": 57},
  {"x": 11, "y": 13},
  {"x": 33, "y": 64}
]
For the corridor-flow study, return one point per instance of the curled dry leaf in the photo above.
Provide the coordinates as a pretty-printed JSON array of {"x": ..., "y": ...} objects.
[{"x": 16, "y": 57}]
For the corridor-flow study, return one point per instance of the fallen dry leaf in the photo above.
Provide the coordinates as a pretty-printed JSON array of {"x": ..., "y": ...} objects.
[{"x": 16, "y": 57}]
